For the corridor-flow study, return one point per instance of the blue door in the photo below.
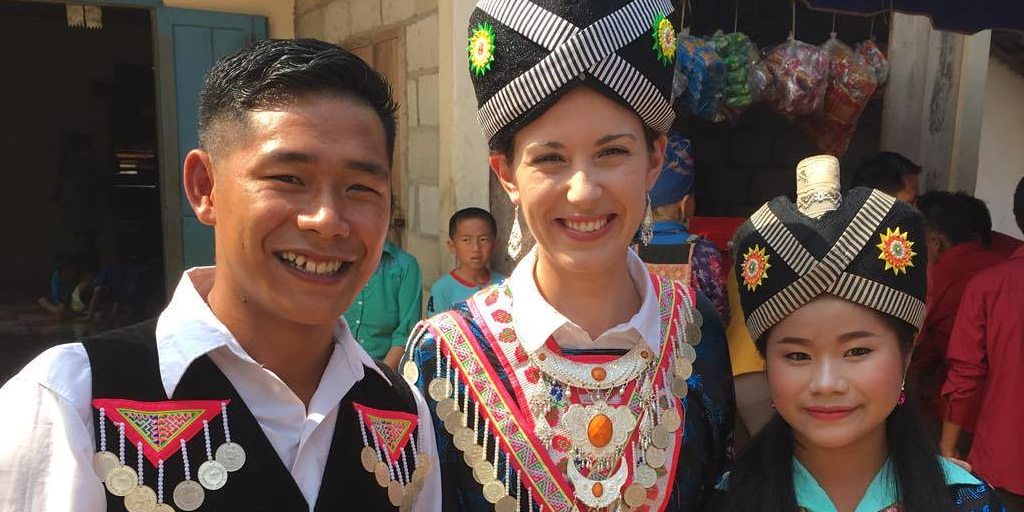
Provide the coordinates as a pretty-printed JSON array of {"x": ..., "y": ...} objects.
[{"x": 188, "y": 43}]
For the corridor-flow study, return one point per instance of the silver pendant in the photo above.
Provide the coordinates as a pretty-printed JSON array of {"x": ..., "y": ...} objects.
[
  {"x": 231, "y": 456},
  {"x": 103, "y": 463},
  {"x": 121, "y": 480},
  {"x": 212, "y": 475},
  {"x": 189, "y": 495},
  {"x": 141, "y": 499}
]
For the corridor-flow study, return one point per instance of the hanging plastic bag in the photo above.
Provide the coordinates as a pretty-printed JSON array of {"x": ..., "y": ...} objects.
[
  {"x": 851, "y": 82},
  {"x": 698, "y": 61},
  {"x": 747, "y": 77},
  {"x": 875, "y": 58},
  {"x": 801, "y": 72}
]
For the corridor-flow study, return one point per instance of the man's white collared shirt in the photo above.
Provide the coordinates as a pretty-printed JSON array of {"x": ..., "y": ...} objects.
[{"x": 47, "y": 434}]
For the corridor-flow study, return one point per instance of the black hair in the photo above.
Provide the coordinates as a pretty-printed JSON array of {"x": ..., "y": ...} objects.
[
  {"x": 762, "y": 476},
  {"x": 276, "y": 72},
  {"x": 1018, "y": 204},
  {"x": 884, "y": 171},
  {"x": 471, "y": 213},
  {"x": 957, "y": 216}
]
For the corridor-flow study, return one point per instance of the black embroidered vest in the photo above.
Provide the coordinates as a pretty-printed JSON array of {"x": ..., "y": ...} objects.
[{"x": 125, "y": 365}]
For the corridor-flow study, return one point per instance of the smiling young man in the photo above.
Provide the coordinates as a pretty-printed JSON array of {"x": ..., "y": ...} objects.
[{"x": 249, "y": 391}]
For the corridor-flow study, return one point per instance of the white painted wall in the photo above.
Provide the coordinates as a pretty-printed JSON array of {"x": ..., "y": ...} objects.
[{"x": 1001, "y": 157}]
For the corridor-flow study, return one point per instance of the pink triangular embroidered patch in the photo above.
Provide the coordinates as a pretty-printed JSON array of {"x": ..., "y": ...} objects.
[
  {"x": 159, "y": 425},
  {"x": 391, "y": 428}
]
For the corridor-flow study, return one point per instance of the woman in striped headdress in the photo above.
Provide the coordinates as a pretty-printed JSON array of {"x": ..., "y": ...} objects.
[{"x": 582, "y": 382}]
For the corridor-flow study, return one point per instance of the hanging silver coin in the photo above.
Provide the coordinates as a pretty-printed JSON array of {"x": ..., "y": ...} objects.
[
  {"x": 693, "y": 334},
  {"x": 103, "y": 463},
  {"x": 679, "y": 387},
  {"x": 163, "y": 507},
  {"x": 660, "y": 436},
  {"x": 440, "y": 388},
  {"x": 645, "y": 475},
  {"x": 189, "y": 495},
  {"x": 683, "y": 368},
  {"x": 654, "y": 457},
  {"x": 121, "y": 480},
  {"x": 141, "y": 499},
  {"x": 411, "y": 372},
  {"x": 368, "y": 457},
  {"x": 686, "y": 351},
  {"x": 395, "y": 493},
  {"x": 231, "y": 456},
  {"x": 444, "y": 407},
  {"x": 212, "y": 475},
  {"x": 670, "y": 420},
  {"x": 506, "y": 504}
]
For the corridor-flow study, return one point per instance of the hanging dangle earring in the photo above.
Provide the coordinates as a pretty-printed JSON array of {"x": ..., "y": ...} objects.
[
  {"x": 772, "y": 404},
  {"x": 647, "y": 227},
  {"x": 903, "y": 395},
  {"x": 515, "y": 237}
]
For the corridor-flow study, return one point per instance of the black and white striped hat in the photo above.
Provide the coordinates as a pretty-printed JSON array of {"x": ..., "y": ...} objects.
[
  {"x": 526, "y": 54},
  {"x": 870, "y": 251}
]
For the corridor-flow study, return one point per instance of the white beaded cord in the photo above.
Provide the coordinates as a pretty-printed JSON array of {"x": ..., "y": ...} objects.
[
  {"x": 415, "y": 452},
  {"x": 519, "y": 490},
  {"x": 138, "y": 451},
  {"x": 529, "y": 497},
  {"x": 382, "y": 455},
  {"x": 405, "y": 471},
  {"x": 437, "y": 359},
  {"x": 465, "y": 406},
  {"x": 120, "y": 441},
  {"x": 160, "y": 481},
  {"x": 362, "y": 428},
  {"x": 487, "y": 425},
  {"x": 184, "y": 457},
  {"x": 508, "y": 477},
  {"x": 103, "y": 429},
  {"x": 476, "y": 421},
  {"x": 206, "y": 435},
  {"x": 224, "y": 415},
  {"x": 495, "y": 472}
]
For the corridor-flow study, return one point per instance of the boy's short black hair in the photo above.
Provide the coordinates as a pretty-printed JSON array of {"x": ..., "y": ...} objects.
[
  {"x": 885, "y": 171},
  {"x": 471, "y": 213},
  {"x": 957, "y": 216},
  {"x": 275, "y": 72},
  {"x": 1018, "y": 204}
]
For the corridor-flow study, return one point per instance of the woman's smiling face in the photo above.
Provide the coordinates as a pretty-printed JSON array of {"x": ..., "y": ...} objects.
[
  {"x": 581, "y": 173},
  {"x": 835, "y": 371}
]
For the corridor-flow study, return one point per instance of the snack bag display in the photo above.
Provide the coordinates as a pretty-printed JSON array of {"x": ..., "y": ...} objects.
[
  {"x": 801, "y": 72},
  {"x": 748, "y": 79},
  {"x": 875, "y": 58},
  {"x": 851, "y": 82},
  {"x": 703, "y": 79}
]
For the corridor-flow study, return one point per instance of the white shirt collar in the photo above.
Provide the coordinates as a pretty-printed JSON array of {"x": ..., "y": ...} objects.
[
  {"x": 536, "y": 320},
  {"x": 187, "y": 329}
]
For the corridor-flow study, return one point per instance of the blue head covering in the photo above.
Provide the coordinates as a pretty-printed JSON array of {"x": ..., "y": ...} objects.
[{"x": 676, "y": 178}]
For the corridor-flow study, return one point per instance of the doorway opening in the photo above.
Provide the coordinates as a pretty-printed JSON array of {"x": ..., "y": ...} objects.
[{"x": 80, "y": 210}]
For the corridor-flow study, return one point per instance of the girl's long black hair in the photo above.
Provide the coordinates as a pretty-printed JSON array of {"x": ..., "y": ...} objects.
[{"x": 762, "y": 477}]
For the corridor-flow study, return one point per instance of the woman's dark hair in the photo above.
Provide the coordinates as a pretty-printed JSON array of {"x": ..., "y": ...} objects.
[
  {"x": 275, "y": 72},
  {"x": 762, "y": 476}
]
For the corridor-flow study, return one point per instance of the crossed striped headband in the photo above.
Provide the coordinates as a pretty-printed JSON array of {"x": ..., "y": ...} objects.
[
  {"x": 525, "y": 54},
  {"x": 869, "y": 251}
]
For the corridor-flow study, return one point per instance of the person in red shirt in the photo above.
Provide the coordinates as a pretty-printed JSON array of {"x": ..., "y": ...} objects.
[
  {"x": 958, "y": 233},
  {"x": 986, "y": 365}
]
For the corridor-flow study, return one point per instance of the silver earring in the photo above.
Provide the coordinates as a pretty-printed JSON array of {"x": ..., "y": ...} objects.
[
  {"x": 515, "y": 237},
  {"x": 647, "y": 227}
]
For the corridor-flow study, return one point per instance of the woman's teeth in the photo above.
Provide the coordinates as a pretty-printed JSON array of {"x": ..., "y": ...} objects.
[
  {"x": 586, "y": 227},
  {"x": 301, "y": 263}
]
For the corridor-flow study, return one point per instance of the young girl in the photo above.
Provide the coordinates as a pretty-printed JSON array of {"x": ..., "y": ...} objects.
[
  {"x": 581, "y": 382},
  {"x": 834, "y": 304}
]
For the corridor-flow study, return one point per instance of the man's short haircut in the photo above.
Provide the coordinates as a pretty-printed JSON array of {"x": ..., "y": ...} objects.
[
  {"x": 957, "y": 216},
  {"x": 471, "y": 213},
  {"x": 885, "y": 171},
  {"x": 275, "y": 72}
]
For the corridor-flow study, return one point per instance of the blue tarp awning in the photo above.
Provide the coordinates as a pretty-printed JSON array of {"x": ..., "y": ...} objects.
[{"x": 967, "y": 16}]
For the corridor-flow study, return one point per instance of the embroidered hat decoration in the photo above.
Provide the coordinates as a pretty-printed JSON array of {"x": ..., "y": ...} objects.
[
  {"x": 862, "y": 252},
  {"x": 539, "y": 50}
]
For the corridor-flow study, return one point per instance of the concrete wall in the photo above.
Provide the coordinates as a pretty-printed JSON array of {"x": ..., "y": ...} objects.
[
  {"x": 361, "y": 26},
  {"x": 1001, "y": 156},
  {"x": 280, "y": 13}
]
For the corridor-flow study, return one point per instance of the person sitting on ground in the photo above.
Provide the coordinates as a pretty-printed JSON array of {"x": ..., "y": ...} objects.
[
  {"x": 891, "y": 173},
  {"x": 471, "y": 233},
  {"x": 62, "y": 283}
]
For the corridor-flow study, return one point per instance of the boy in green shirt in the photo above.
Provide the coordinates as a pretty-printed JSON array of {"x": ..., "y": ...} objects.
[
  {"x": 385, "y": 312},
  {"x": 471, "y": 233}
]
